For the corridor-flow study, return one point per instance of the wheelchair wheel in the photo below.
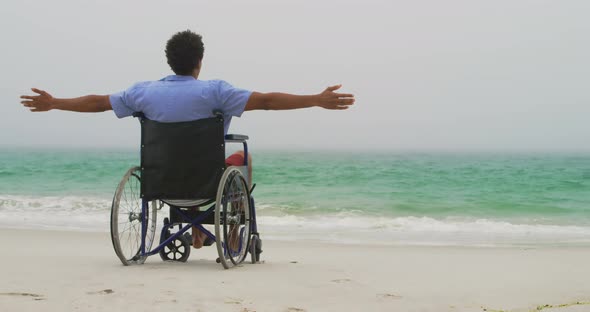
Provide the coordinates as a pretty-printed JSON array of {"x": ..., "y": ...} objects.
[
  {"x": 255, "y": 248},
  {"x": 178, "y": 249},
  {"x": 126, "y": 216},
  {"x": 232, "y": 218}
]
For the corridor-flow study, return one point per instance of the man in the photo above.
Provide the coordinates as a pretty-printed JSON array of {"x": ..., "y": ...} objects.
[{"x": 182, "y": 97}]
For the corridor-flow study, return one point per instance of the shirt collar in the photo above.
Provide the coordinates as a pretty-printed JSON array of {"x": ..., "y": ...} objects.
[{"x": 178, "y": 77}]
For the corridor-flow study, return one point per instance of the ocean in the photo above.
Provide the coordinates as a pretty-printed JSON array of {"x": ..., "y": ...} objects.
[{"x": 388, "y": 198}]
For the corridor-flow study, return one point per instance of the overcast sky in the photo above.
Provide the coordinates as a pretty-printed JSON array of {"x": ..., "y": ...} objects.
[{"x": 427, "y": 74}]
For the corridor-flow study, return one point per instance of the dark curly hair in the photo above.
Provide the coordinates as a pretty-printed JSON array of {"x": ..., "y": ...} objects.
[{"x": 184, "y": 51}]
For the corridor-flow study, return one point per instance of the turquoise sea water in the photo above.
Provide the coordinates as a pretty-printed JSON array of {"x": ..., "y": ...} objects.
[{"x": 400, "y": 198}]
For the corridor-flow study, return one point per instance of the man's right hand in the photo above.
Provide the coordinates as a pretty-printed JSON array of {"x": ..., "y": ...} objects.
[{"x": 332, "y": 100}]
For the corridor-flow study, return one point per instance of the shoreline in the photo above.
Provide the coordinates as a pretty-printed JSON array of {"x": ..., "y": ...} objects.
[
  {"x": 441, "y": 234},
  {"x": 65, "y": 271},
  {"x": 352, "y": 238}
]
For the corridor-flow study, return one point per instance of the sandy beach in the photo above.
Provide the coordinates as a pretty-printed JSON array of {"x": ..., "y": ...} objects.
[{"x": 78, "y": 271}]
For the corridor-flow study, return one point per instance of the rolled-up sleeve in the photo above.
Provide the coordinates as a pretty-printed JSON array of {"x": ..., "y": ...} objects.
[
  {"x": 121, "y": 104},
  {"x": 233, "y": 100}
]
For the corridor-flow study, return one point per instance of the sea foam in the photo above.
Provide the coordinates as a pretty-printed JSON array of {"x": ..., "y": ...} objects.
[
  {"x": 93, "y": 214},
  {"x": 60, "y": 212}
]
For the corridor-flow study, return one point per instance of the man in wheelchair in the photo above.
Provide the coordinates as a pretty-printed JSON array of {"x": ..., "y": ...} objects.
[{"x": 183, "y": 97}]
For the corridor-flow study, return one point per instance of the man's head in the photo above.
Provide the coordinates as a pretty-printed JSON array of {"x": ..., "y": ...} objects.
[{"x": 184, "y": 52}]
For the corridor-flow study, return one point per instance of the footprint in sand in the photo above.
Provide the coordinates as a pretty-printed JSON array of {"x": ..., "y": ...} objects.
[
  {"x": 389, "y": 296},
  {"x": 101, "y": 292},
  {"x": 233, "y": 301},
  {"x": 342, "y": 280},
  {"x": 20, "y": 294}
]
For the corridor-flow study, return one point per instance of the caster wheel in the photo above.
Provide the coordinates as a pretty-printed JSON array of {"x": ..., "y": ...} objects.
[
  {"x": 178, "y": 249},
  {"x": 255, "y": 248}
]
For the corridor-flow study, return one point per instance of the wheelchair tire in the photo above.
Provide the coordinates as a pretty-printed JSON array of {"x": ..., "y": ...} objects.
[
  {"x": 126, "y": 215},
  {"x": 232, "y": 218}
]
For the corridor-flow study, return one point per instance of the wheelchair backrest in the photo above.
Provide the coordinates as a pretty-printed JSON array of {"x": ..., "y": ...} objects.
[{"x": 182, "y": 160}]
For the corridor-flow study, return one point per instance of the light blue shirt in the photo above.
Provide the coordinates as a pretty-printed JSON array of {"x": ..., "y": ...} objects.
[{"x": 181, "y": 98}]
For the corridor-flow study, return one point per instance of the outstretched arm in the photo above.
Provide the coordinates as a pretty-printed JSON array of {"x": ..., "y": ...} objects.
[
  {"x": 282, "y": 101},
  {"x": 85, "y": 104}
]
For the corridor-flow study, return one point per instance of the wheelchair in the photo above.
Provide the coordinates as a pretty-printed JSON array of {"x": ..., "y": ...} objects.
[{"x": 183, "y": 168}]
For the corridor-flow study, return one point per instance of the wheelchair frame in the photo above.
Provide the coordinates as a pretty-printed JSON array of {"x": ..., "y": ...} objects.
[{"x": 213, "y": 215}]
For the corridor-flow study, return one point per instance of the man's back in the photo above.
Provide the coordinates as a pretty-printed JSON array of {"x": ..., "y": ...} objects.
[{"x": 179, "y": 98}]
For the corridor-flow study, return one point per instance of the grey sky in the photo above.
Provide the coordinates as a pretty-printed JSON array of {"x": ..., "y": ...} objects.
[{"x": 429, "y": 74}]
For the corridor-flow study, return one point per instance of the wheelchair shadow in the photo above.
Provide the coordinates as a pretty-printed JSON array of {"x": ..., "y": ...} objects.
[{"x": 190, "y": 265}]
